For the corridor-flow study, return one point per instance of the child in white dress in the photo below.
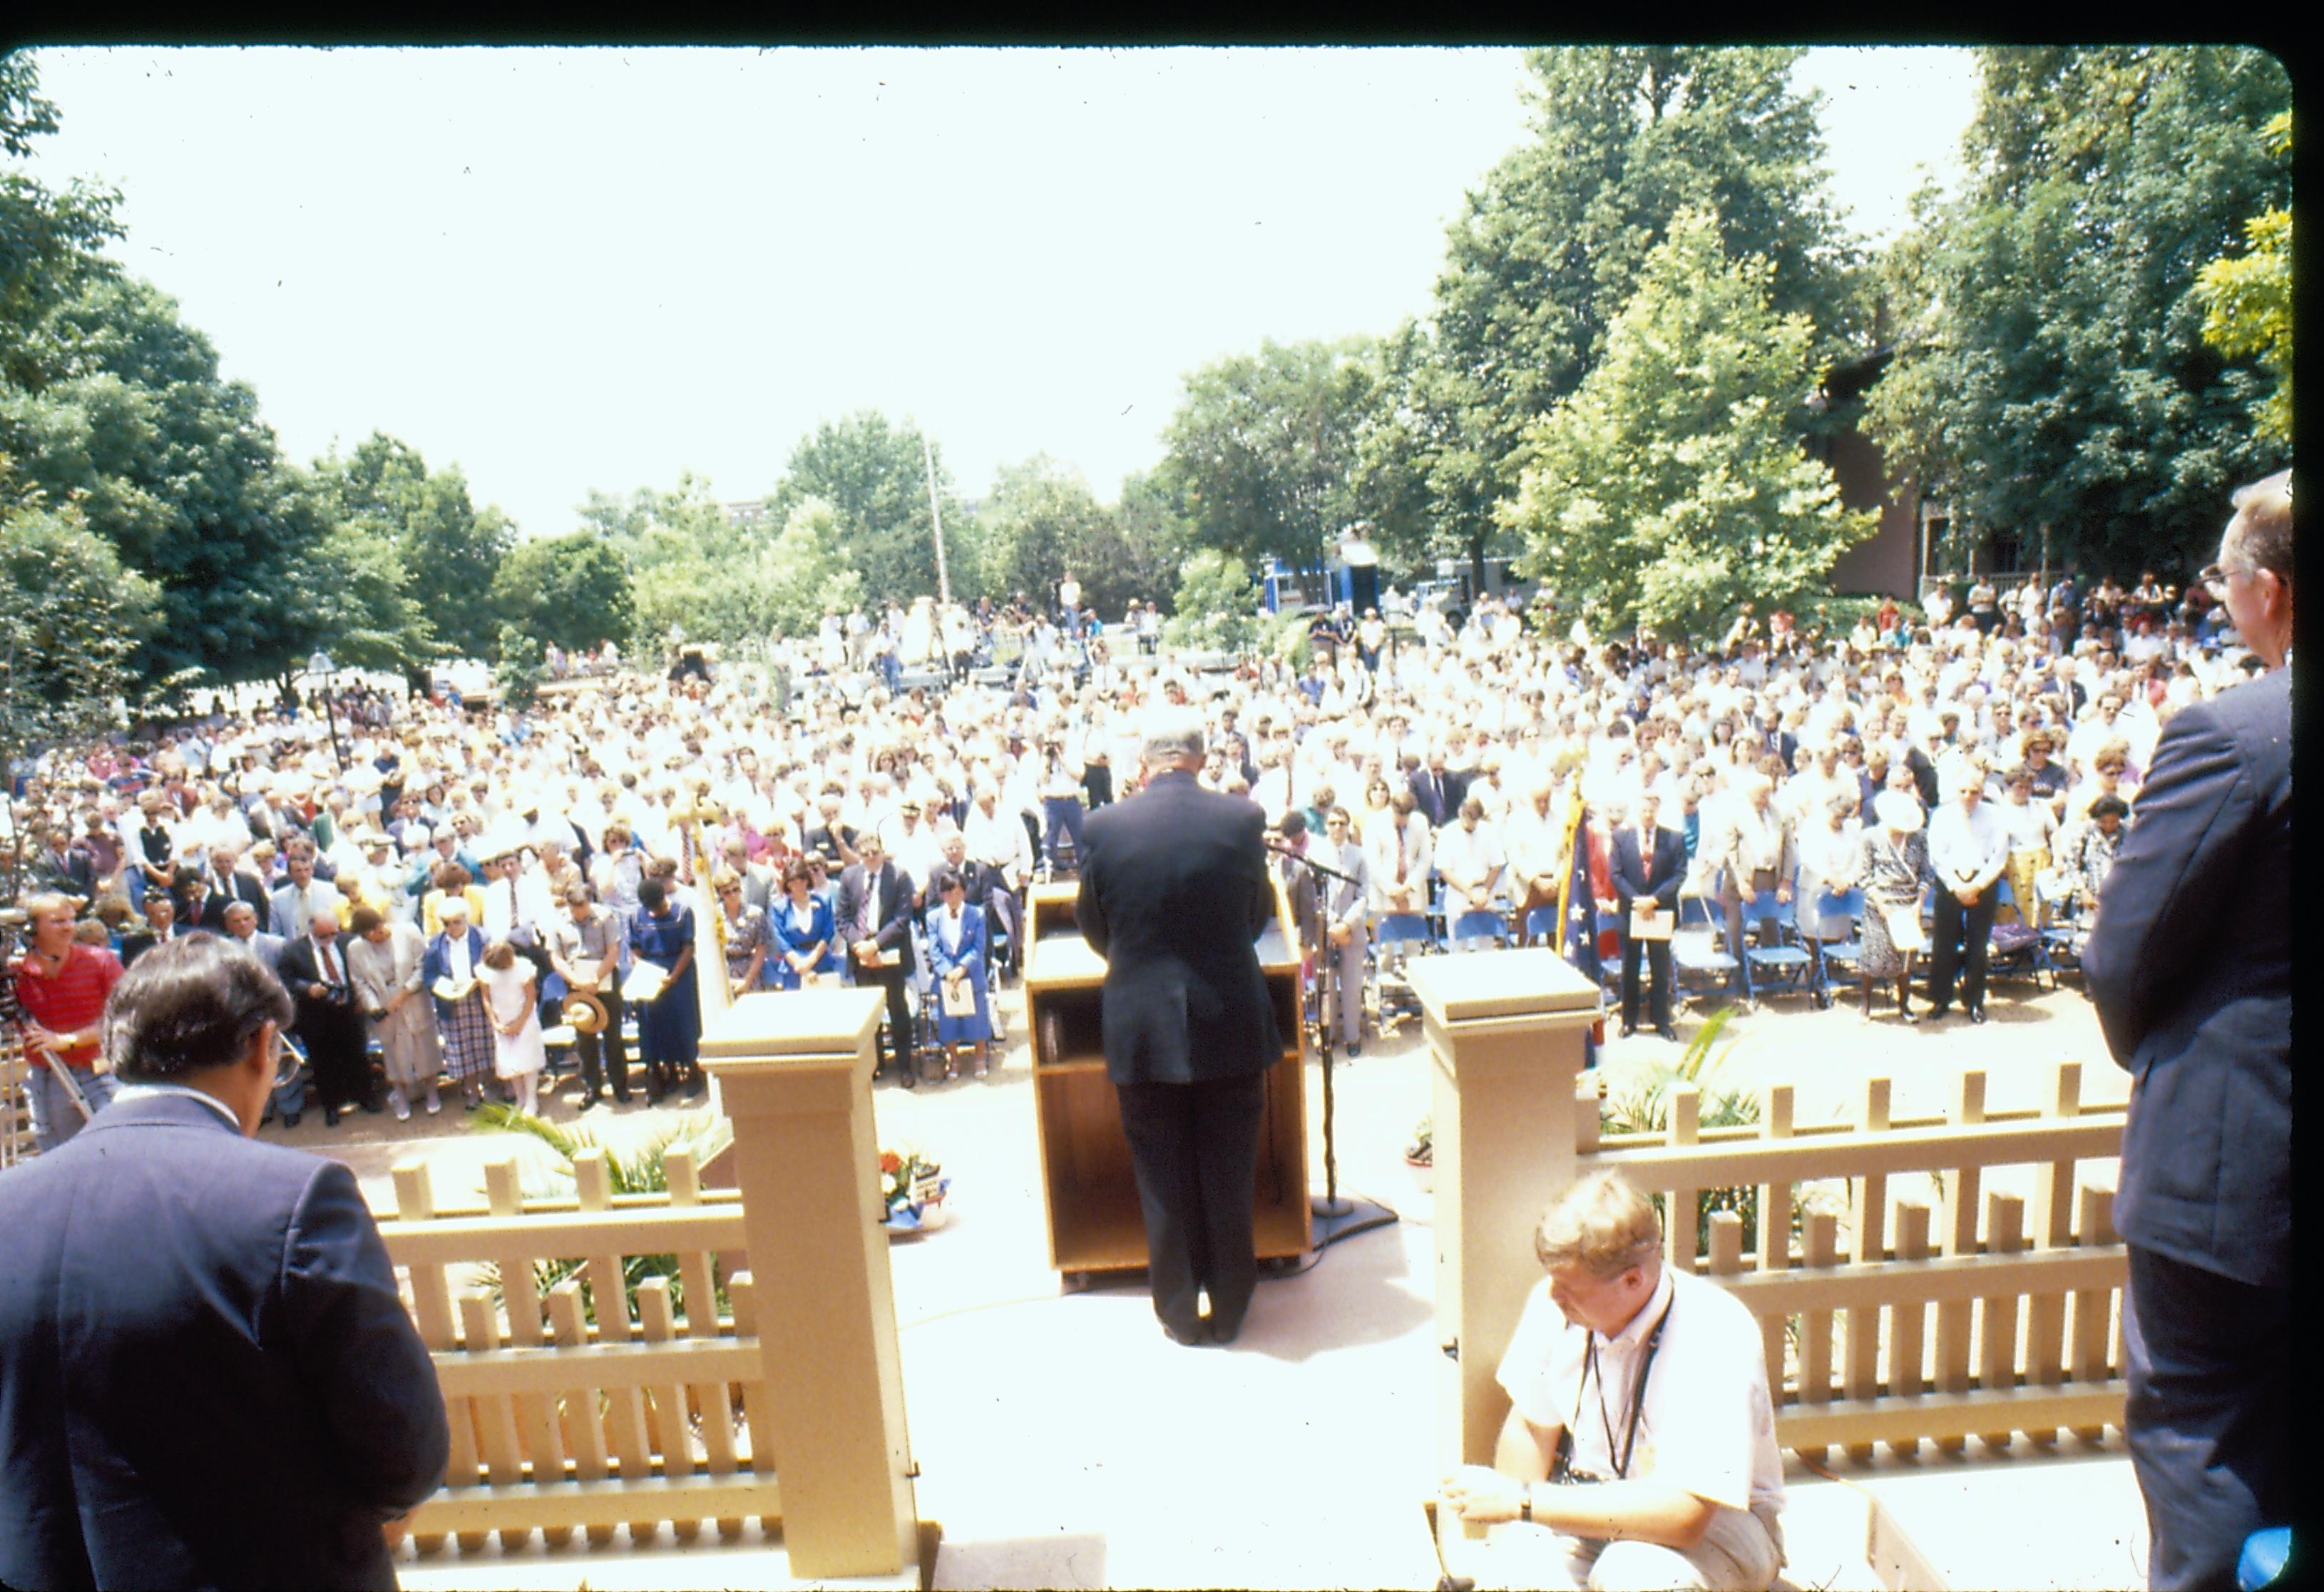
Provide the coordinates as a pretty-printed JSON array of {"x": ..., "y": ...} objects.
[{"x": 513, "y": 1003}]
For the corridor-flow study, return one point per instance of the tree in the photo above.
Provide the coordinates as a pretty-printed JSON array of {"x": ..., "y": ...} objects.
[
  {"x": 172, "y": 467},
  {"x": 745, "y": 589},
  {"x": 2055, "y": 379},
  {"x": 1149, "y": 538},
  {"x": 71, "y": 619},
  {"x": 1670, "y": 486},
  {"x": 452, "y": 548},
  {"x": 2248, "y": 299},
  {"x": 874, "y": 477},
  {"x": 49, "y": 242},
  {"x": 1263, "y": 449},
  {"x": 1551, "y": 246},
  {"x": 1217, "y": 605},
  {"x": 1042, "y": 519},
  {"x": 571, "y": 590}
]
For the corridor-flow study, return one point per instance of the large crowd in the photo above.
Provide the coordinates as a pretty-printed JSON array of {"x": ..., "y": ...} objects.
[{"x": 432, "y": 877}]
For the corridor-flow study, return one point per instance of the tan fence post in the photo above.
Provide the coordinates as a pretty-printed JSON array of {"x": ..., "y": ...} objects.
[
  {"x": 795, "y": 1073},
  {"x": 1505, "y": 1041}
]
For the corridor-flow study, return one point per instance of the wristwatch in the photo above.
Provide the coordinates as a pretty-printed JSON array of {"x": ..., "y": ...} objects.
[{"x": 1525, "y": 1504}]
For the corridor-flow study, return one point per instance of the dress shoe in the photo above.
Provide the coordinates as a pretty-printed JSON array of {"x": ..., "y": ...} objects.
[
  {"x": 589, "y": 1103},
  {"x": 1224, "y": 1332},
  {"x": 1194, "y": 1337},
  {"x": 1629, "y": 1029},
  {"x": 1667, "y": 1031},
  {"x": 330, "y": 1116},
  {"x": 1910, "y": 1015},
  {"x": 1355, "y": 1048},
  {"x": 1941, "y": 1009},
  {"x": 289, "y": 1120},
  {"x": 1977, "y": 1013},
  {"x": 371, "y": 1104},
  {"x": 695, "y": 1086}
]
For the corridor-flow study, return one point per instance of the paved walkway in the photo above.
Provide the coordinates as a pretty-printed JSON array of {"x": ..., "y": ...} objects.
[{"x": 1064, "y": 1442}]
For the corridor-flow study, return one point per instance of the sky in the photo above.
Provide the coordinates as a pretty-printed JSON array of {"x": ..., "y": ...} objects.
[{"x": 576, "y": 269}]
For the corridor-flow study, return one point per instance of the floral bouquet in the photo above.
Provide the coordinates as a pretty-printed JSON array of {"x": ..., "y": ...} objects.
[{"x": 913, "y": 1188}]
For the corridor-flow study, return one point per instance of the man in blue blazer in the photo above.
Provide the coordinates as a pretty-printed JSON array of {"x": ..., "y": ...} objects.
[
  {"x": 206, "y": 1376},
  {"x": 2189, "y": 965},
  {"x": 1649, "y": 861},
  {"x": 1175, "y": 890}
]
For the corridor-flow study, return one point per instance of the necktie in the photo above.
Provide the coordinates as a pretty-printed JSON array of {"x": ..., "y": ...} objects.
[{"x": 1400, "y": 861}]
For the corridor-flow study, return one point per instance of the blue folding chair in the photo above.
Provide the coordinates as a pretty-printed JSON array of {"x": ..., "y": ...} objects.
[
  {"x": 2062, "y": 941},
  {"x": 1477, "y": 929},
  {"x": 1847, "y": 907},
  {"x": 1784, "y": 966},
  {"x": 2016, "y": 950},
  {"x": 1693, "y": 951},
  {"x": 1393, "y": 998},
  {"x": 1541, "y": 924}
]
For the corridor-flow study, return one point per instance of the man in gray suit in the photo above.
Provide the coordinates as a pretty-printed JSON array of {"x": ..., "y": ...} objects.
[{"x": 2189, "y": 966}]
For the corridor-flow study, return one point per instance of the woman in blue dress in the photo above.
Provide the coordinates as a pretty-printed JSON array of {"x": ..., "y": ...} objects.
[
  {"x": 801, "y": 939},
  {"x": 956, "y": 958},
  {"x": 670, "y": 1026}
]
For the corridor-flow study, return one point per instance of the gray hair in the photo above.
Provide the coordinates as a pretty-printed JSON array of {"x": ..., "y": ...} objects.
[{"x": 1172, "y": 733}]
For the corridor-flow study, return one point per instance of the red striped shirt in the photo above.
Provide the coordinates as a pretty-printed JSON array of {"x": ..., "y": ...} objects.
[{"x": 71, "y": 1000}]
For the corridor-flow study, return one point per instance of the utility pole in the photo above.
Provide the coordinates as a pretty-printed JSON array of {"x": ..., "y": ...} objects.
[{"x": 935, "y": 517}]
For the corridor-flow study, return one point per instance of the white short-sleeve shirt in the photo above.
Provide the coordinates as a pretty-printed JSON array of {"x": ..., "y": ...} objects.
[{"x": 1707, "y": 1426}]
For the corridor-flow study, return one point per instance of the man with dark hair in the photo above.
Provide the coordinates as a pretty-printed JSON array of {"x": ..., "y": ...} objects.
[
  {"x": 248, "y": 1404},
  {"x": 2189, "y": 966},
  {"x": 1175, "y": 892}
]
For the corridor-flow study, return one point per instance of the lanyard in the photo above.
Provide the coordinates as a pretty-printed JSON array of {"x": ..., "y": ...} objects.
[{"x": 1622, "y": 1456}]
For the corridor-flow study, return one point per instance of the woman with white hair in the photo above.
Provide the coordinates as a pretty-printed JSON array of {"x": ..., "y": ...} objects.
[{"x": 1894, "y": 870}]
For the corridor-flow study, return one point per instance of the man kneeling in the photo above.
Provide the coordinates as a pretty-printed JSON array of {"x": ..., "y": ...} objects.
[{"x": 1640, "y": 1445}]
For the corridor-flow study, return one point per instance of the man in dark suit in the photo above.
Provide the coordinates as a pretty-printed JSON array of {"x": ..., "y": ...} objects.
[
  {"x": 1439, "y": 791},
  {"x": 2189, "y": 966},
  {"x": 1174, "y": 893},
  {"x": 231, "y": 884},
  {"x": 1649, "y": 861},
  {"x": 875, "y": 917},
  {"x": 314, "y": 968},
  {"x": 206, "y": 1376}
]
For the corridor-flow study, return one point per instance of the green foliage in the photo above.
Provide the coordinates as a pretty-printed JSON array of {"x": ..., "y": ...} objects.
[
  {"x": 1670, "y": 486},
  {"x": 730, "y": 586},
  {"x": 644, "y": 1170},
  {"x": 1217, "y": 606},
  {"x": 874, "y": 478},
  {"x": 572, "y": 590},
  {"x": 1645, "y": 1109},
  {"x": 1263, "y": 450},
  {"x": 1552, "y": 245},
  {"x": 2248, "y": 299},
  {"x": 518, "y": 664},
  {"x": 452, "y": 549},
  {"x": 49, "y": 242},
  {"x": 2053, "y": 372},
  {"x": 71, "y": 619},
  {"x": 1042, "y": 519}
]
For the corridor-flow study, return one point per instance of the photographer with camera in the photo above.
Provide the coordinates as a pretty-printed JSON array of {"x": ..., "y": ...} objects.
[{"x": 1640, "y": 1445}]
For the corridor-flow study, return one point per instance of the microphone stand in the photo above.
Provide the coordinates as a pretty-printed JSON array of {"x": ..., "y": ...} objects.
[{"x": 1342, "y": 1217}]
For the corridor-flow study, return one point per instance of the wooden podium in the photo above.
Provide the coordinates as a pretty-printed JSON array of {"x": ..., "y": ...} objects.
[{"x": 1087, "y": 1185}]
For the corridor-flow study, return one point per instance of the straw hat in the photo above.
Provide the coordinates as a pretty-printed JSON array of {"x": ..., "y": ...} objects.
[{"x": 584, "y": 1013}]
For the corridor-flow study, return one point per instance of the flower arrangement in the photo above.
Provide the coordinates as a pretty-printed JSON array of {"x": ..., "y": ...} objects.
[{"x": 913, "y": 1187}]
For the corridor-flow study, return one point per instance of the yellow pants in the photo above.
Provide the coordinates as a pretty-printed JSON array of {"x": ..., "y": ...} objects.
[{"x": 2023, "y": 867}]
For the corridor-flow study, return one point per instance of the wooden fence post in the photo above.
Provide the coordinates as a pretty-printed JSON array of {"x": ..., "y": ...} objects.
[
  {"x": 1505, "y": 1041},
  {"x": 795, "y": 1073}
]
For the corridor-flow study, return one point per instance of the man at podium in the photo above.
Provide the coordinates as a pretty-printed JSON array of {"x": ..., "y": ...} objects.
[{"x": 1174, "y": 893}]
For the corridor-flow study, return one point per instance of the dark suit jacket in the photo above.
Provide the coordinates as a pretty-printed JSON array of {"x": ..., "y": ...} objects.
[
  {"x": 1174, "y": 893},
  {"x": 892, "y": 912},
  {"x": 1633, "y": 876},
  {"x": 1436, "y": 808},
  {"x": 206, "y": 1376},
  {"x": 2189, "y": 966},
  {"x": 298, "y": 968}
]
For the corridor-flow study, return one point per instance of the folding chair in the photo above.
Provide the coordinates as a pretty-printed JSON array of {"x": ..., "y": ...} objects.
[
  {"x": 2016, "y": 950},
  {"x": 1848, "y": 907},
  {"x": 1694, "y": 950},
  {"x": 1405, "y": 931},
  {"x": 2065, "y": 938},
  {"x": 1541, "y": 924},
  {"x": 1477, "y": 929},
  {"x": 1784, "y": 966},
  {"x": 1609, "y": 969}
]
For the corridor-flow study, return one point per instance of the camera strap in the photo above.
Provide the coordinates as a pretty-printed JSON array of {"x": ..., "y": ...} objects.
[{"x": 1620, "y": 1455}]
